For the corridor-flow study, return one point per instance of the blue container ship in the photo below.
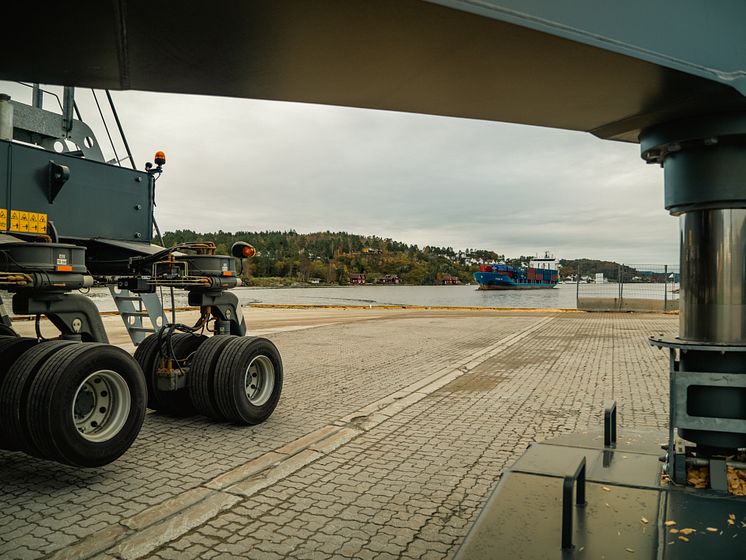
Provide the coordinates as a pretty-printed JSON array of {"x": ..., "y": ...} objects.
[{"x": 541, "y": 273}]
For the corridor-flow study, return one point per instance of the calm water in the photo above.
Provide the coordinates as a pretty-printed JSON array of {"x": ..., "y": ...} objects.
[
  {"x": 562, "y": 296},
  {"x": 451, "y": 296}
]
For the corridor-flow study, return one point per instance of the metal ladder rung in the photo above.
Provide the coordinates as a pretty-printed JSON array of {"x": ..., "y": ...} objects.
[
  {"x": 135, "y": 309},
  {"x": 135, "y": 313}
]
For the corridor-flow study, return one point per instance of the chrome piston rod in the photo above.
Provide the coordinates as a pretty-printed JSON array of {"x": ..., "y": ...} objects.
[
  {"x": 704, "y": 161},
  {"x": 713, "y": 276}
]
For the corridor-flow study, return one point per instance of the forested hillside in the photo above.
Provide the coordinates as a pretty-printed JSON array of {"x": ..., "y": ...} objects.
[
  {"x": 331, "y": 257},
  {"x": 589, "y": 267},
  {"x": 288, "y": 257}
]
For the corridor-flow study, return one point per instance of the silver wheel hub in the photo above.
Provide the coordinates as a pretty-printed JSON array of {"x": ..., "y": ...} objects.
[
  {"x": 101, "y": 405},
  {"x": 259, "y": 380}
]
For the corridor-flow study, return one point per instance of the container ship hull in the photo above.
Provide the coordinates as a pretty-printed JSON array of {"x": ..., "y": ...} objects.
[{"x": 505, "y": 277}]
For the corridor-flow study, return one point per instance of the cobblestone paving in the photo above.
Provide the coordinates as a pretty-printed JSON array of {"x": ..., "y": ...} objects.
[{"x": 407, "y": 485}]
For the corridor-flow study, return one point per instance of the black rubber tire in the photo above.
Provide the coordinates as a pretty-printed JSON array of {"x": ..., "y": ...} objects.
[
  {"x": 201, "y": 376},
  {"x": 53, "y": 393},
  {"x": 148, "y": 355},
  {"x": 178, "y": 402},
  {"x": 11, "y": 348},
  {"x": 5, "y": 330},
  {"x": 231, "y": 375},
  {"x": 14, "y": 392}
]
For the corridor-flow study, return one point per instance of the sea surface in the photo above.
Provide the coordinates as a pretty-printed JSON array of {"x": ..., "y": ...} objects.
[
  {"x": 447, "y": 296},
  {"x": 563, "y": 296}
]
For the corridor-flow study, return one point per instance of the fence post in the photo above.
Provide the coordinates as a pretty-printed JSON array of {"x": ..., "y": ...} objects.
[
  {"x": 577, "y": 288},
  {"x": 665, "y": 288},
  {"x": 621, "y": 287}
]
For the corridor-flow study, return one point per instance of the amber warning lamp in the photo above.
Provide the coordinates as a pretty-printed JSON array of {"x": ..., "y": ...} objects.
[
  {"x": 160, "y": 161},
  {"x": 242, "y": 250}
]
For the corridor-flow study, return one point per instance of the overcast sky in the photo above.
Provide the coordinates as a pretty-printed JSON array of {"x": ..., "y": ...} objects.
[{"x": 237, "y": 164}]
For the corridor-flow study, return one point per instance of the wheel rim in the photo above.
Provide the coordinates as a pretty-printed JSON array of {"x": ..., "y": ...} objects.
[
  {"x": 259, "y": 380},
  {"x": 101, "y": 405}
]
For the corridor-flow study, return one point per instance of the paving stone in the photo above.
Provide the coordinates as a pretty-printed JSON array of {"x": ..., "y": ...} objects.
[{"x": 394, "y": 456}]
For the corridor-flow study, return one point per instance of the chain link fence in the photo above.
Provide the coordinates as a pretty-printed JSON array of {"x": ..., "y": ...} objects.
[{"x": 631, "y": 287}]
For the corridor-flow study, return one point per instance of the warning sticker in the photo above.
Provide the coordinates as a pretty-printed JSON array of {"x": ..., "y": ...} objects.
[{"x": 22, "y": 221}]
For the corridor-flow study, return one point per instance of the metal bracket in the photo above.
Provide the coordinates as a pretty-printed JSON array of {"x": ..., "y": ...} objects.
[
  {"x": 719, "y": 475},
  {"x": 225, "y": 307},
  {"x": 44, "y": 128},
  {"x": 567, "y": 486},
  {"x": 610, "y": 424},
  {"x": 171, "y": 379},
  {"x": 678, "y": 459},
  {"x": 58, "y": 176},
  {"x": 680, "y": 383},
  {"x": 75, "y": 315}
]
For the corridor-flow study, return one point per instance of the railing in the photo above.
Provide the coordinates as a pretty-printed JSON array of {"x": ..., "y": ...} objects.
[
  {"x": 610, "y": 424},
  {"x": 631, "y": 287},
  {"x": 567, "y": 486}
]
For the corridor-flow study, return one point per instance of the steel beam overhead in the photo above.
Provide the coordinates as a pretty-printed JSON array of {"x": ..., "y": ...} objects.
[{"x": 610, "y": 68}]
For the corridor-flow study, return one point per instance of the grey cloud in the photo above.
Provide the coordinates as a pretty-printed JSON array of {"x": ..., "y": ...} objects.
[{"x": 245, "y": 164}]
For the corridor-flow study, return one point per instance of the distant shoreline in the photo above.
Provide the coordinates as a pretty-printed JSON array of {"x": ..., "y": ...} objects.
[{"x": 400, "y": 285}]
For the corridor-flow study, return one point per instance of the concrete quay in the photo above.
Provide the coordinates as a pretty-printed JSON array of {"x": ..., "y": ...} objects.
[{"x": 392, "y": 430}]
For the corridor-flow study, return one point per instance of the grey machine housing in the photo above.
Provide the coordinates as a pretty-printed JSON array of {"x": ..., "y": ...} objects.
[{"x": 69, "y": 221}]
